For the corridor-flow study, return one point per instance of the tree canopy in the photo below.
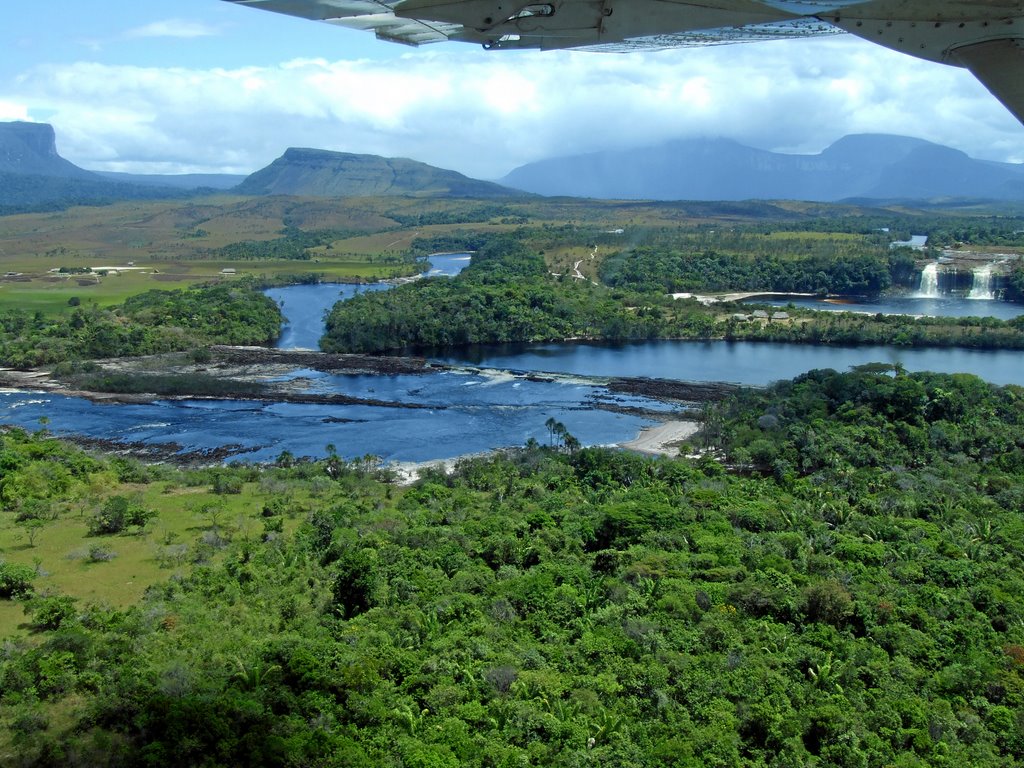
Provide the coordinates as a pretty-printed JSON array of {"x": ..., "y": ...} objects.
[{"x": 841, "y": 586}]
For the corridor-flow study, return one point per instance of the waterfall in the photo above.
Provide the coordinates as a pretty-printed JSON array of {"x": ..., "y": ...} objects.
[
  {"x": 981, "y": 286},
  {"x": 929, "y": 282}
]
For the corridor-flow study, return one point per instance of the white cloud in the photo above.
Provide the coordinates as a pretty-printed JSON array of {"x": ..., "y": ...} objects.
[
  {"x": 12, "y": 111},
  {"x": 486, "y": 113},
  {"x": 173, "y": 28}
]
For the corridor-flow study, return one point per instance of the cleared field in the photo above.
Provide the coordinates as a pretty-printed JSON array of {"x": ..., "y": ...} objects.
[
  {"x": 798, "y": 237},
  {"x": 166, "y": 244},
  {"x": 115, "y": 570},
  {"x": 109, "y": 253},
  {"x": 105, "y": 254}
]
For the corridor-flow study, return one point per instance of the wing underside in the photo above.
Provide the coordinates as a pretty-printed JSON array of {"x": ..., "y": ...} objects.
[
  {"x": 985, "y": 36},
  {"x": 750, "y": 33},
  {"x": 999, "y": 65},
  {"x": 588, "y": 24},
  {"x": 371, "y": 15}
]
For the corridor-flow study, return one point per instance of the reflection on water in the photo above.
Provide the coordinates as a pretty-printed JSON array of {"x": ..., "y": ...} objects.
[
  {"x": 465, "y": 412},
  {"x": 941, "y": 306},
  {"x": 306, "y": 306},
  {"x": 745, "y": 362}
]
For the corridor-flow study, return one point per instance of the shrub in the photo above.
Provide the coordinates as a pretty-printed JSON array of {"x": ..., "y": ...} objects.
[
  {"x": 274, "y": 507},
  {"x": 27, "y": 721},
  {"x": 200, "y": 355},
  {"x": 15, "y": 580},
  {"x": 98, "y": 554},
  {"x": 49, "y": 613},
  {"x": 116, "y": 514},
  {"x": 828, "y": 602},
  {"x": 227, "y": 484},
  {"x": 130, "y": 470}
]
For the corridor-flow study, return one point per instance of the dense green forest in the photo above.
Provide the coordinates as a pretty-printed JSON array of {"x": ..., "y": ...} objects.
[
  {"x": 507, "y": 295},
  {"x": 28, "y": 193},
  {"x": 944, "y": 228},
  {"x": 842, "y": 586},
  {"x": 294, "y": 244},
  {"x": 672, "y": 270},
  {"x": 151, "y": 322},
  {"x": 810, "y": 327},
  {"x": 830, "y": 254}
]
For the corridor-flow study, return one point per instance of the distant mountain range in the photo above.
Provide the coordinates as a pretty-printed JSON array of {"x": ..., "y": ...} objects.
[
  {"x": 31, "y": 149},
  {"x": 34, "y": 176},
  {"x": 875, "y": 167},
  {"x": 868, "y": 168},
  {"x": 177, "y": 180},
  {"x": 320, "y": 173}
]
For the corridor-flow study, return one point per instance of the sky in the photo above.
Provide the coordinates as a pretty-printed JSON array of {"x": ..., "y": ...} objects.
[{"x": 205, "y": 86}]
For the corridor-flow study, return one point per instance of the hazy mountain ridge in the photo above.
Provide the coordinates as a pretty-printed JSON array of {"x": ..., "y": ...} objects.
[
  {"x": 864, "y": 166},
  {"x": 177, "y": 180},
  {"x": 31, "y": 149},
  {"x": 33, "y": 175},
  {"x": 322, "y": 173}
]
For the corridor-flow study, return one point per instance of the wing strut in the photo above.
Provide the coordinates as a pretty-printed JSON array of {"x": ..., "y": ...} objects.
[{"x": 999, "y": 65}]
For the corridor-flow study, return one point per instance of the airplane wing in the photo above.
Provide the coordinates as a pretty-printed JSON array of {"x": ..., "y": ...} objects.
[
  {"x": 985, "y": 36},
  {"x": 591, "y": 24},
  {"x": 999, "y": 65},
  {"x": 375, "y": 15}
]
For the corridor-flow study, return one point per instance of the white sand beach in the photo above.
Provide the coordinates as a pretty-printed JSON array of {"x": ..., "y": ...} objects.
[
  {"x": 657, "y": 440},
  {"x": 654, "y": 441}
]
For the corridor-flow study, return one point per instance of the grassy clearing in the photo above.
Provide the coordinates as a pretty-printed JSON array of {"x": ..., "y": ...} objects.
[
  {"x": 797, "y": 237},
  {"x": 189, "y": 525},
  {"x": 146, "y": 245},
  {"x": 50, "y": 294},
  {"x": 166, "y": 245},
  {"x": 563, "y": 260}
]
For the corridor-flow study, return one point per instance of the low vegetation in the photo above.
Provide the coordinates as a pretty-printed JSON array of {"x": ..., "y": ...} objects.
[
  {"x": 507, "y": 294},
  {"x": 149, "y": 323},
  {"x": 674, "y": 271},
  {"x": 841, "y": 587}
]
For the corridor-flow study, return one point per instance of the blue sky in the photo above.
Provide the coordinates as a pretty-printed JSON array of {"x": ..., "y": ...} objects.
[
  {"x": 170, "y": 86},
  {"x": 161, "y": 33}
]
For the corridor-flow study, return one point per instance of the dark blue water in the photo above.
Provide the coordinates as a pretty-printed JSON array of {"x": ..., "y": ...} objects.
[
  {"x": 944, "y": 306},
  {"x": 484, "y": 413},
  {"x": 306, "y": 306},
  {"x": 743, "y": 362},
  {"x": 464, "y": 412}
]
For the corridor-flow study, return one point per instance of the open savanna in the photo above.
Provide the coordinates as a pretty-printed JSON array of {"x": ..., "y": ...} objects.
[
  {"x": 135, "y": 246},
  {"x": 572, "y": 261},
  {"x": 190, "y": 525}
]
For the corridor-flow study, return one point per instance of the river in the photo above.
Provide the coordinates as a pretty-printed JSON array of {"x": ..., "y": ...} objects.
[
  {"x": 465, "y": 412},
  {"x": 462, "y": 412},
  {"x": 742, "y": 362},
  {"x": 940, "y": 306},
  {"x": 305, "y": 306}
]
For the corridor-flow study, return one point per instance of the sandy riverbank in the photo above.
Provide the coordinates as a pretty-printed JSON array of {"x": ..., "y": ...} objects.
[
  {"x": 408, "y": 472},
  {"x": 657, "y": 440},
  {"x": 653, "y": 441}
]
